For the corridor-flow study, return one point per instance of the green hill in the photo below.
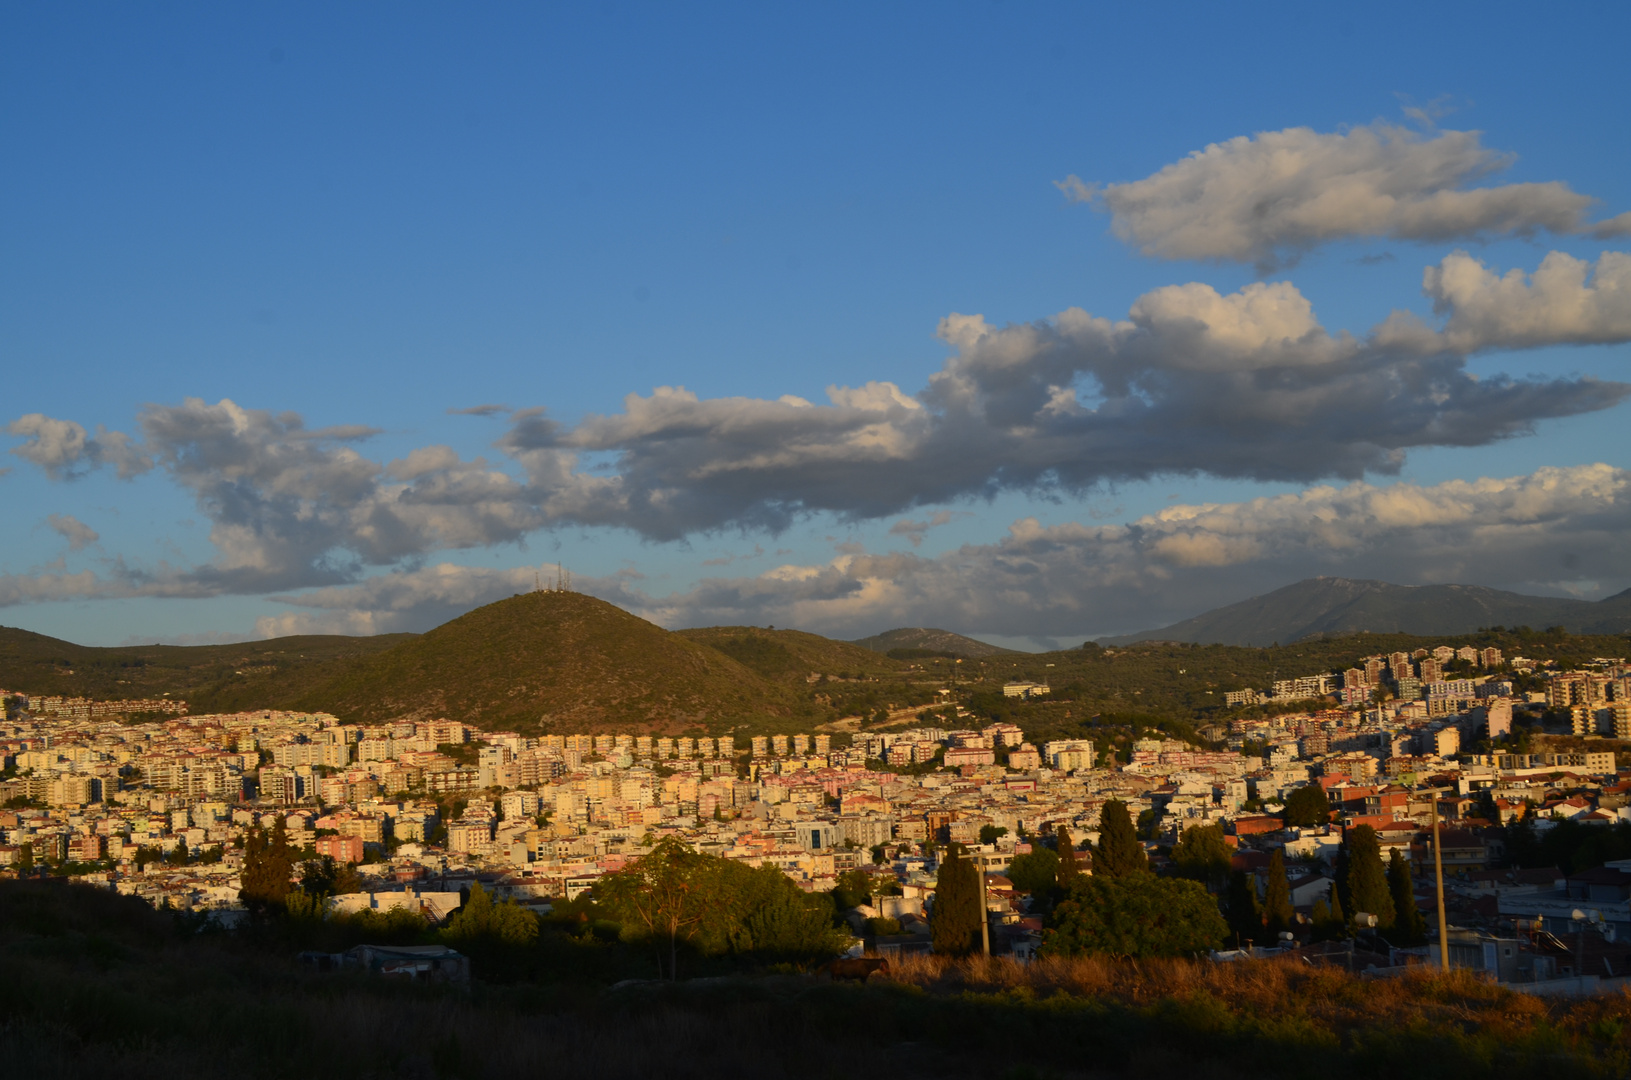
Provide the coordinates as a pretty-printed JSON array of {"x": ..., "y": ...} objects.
[
  {"x": 554, "y": 661},
  {"x": 1326, "y": 606},
  {"x": 210, "y": 678},
  {"x": 792, "y": 655},
  {"x": 922, "y": 641}
]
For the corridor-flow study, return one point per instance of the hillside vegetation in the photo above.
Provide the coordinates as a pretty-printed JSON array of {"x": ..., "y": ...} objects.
[
  {"x": 210, "y": 678},
  {"x": 567, "y": 662},
  {"x": 555, "y": 661},
  {"x": 927, "y": 640},
  {"x": 1326, "y": 606},
  {"x": 793, "y": 655}
]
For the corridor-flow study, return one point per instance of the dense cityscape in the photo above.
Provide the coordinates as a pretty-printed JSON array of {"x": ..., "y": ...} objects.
[{"x": 416, "y": 813}]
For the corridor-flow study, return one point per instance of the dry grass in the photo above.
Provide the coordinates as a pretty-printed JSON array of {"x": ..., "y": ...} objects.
[
  {"x": 91, "y": 984},
  {"x": 1461, "y": 1013}
]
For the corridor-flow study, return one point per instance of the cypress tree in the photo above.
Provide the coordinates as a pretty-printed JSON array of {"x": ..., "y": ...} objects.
[
  {"x": 1065, "y": 848},
  {"x": 268, "y": 864},
  {"x": 1409, "y": 927},
  {"x": 1339, "y": 893},
  {"x": 1367, "y": 889},
  {"x": 1119, "y": 851},
  {"x": 955, "y": 923},
  {"x": 1278, "y": 915},
  {"x": 1244, "y": 915},
  {"x": 1329, "y": 922}
]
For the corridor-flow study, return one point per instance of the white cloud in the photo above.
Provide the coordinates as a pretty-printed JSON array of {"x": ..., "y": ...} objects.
[
  {"x": 1267, "y": 198},
  {"x": 1557, "y": 305},
  {"x": 66, "y": 451},
  {"x": 405, "y": 600},
  {"x": 1073, "y": 579},
  {"x": 78, "y": 534},
  {"x": 1246, "y": 384}
]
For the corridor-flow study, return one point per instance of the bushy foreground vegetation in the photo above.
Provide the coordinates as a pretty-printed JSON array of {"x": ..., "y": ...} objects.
[{"x": 97, "y": 984}]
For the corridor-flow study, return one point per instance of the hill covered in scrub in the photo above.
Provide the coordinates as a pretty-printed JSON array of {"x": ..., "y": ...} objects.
[
  {"x": 1333, "y": 606},
  {"x": 210, "y": 678},
  {"x": 555, "y": 661},
  {"x": 793, "y": 655},
  {"x": 926, "y": 640}
]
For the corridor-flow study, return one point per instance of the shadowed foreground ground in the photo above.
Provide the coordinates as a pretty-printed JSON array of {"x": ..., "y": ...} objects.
[{"x": 94, "y": 984}]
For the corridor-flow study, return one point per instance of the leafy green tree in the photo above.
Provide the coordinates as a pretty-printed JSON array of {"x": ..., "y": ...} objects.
[
  {"x": 25, "y": 858},
  {"x": 1202, "y": 855},
  {"x": 1135, "y": 915},
  {"x": 1064, "y": 847},
  {"x": 317, "y": 876},
  {"x": 854, "y": 888},
  {"x": 1120, "y": 852},
  {"x": 1035, "y": 872},
  {"x": 1278, "y": 914},
  {"x": 665, "y": 893},
  {"x": 1307, "y": 807},
  {"x": 1365, "y": 888},
  {"x": 178, "y": 854},
  {"x": 303, "y": 906},
  {"x": 1409, "y": 926},
  {"x": 479, "y": 919},
  {"x": 958, "y": 911},
  {"x": 673, "y": 895},
  {"x": 773, "y": 918},
  {"x": 989, "y": 833}
]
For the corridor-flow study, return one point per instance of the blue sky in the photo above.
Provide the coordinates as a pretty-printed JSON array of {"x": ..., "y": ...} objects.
[{"x": 370, "y": 216}]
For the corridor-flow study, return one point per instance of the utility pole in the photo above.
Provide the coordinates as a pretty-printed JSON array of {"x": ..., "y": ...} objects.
[
  {"x": 985, "y": 917},
  {"x": 1438, "y": 875}
]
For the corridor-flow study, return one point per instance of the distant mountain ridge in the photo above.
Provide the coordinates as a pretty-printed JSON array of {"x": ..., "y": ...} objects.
[
  {"x": 921, "y": 637},
  {"x": 1327, "y": 606}
]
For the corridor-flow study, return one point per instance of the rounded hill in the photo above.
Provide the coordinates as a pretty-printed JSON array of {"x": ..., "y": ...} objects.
[{"x": 555, "y": 662}]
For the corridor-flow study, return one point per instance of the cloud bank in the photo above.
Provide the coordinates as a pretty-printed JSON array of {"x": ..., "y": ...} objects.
[
  {"x": 1541, "y": 530},
  {"x": 1244, "y": 385},
  {"x": 1269, "y": 198}
]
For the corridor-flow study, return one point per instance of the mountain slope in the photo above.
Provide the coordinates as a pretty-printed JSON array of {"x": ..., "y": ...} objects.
[
  {"x": 1319, "y": 606},
  {"x": 210, "y": 678},
  {"x": 553, "y": 661},
  {"x": 792, "y": 655},
  {"x": 918, "y": 637}
]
